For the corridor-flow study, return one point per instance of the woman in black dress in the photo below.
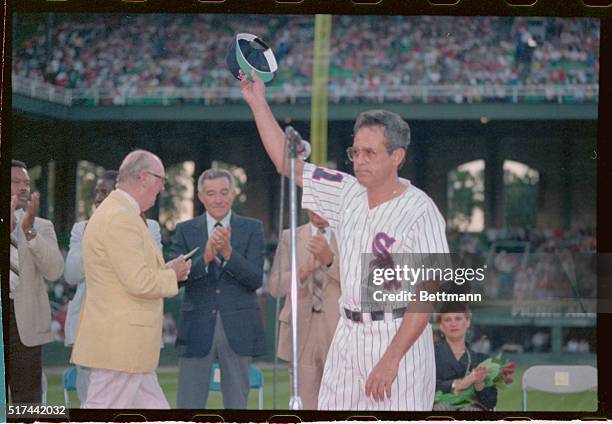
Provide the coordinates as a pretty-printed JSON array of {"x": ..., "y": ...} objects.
[{"x": 456, "y": 364}]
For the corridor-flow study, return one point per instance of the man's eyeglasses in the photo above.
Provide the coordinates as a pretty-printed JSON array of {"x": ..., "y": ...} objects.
[
  {"x": 355, "y": 152},
  {"x": 164, "y": 180}
]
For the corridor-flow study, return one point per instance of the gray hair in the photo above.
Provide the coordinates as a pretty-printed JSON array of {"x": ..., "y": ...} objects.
[
  {"x": 213, "y": 174},
  {"x": 397, "y": 131},
  {"x": 133, "y": 164}
]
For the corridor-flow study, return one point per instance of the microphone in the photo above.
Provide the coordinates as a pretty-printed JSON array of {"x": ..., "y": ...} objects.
[{"x": 303, "y": 147}]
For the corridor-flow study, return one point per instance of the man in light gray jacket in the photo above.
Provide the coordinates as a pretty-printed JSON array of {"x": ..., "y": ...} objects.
[{"x": 34, "y": 257}]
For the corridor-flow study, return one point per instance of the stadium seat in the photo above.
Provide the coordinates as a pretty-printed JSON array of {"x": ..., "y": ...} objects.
[
  {"x": 69, "y": 378},
  {"x": 256, "y": 381},
  {"x": 558, "y": 379}
]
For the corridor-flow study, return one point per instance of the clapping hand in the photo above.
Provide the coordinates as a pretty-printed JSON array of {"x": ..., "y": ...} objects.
[
  {"x": 209, "y": 251},
  {"x": 224, "y": 242},
  {"x": 308, "y": 268},
  {"x": 219, "y": 243},
  {"x": 478, "y": 376},
  {"x": 320, "y": 249},
  {"x": 31, "y": 211}
]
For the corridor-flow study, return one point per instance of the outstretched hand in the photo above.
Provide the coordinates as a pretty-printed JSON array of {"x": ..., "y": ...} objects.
[{"x": 252, "y": 91}]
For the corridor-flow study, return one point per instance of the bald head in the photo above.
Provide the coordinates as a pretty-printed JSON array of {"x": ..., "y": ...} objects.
[
  {"x": 135, "y": 163},
  {"x": 142, "y": 175}
]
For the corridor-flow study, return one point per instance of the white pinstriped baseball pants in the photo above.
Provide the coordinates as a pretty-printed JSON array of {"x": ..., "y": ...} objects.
[{"x": 355, "y": 351}]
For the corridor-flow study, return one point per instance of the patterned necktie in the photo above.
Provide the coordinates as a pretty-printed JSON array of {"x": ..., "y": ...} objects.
[
  {"x": 217, "y": 262},
  {"x": 14, "y": 267},
  {"x": 317, "y": 284}
]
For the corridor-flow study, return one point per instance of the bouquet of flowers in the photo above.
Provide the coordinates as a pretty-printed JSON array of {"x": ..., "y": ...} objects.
[{"x": 498, "y": 375}]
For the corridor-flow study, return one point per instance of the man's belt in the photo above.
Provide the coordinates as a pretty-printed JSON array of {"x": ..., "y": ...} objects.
[{"x": 358, "y": 316}]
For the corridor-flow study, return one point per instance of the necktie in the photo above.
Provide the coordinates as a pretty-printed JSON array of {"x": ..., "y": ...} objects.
[
  {"x": 14, "y": 267},
  {"x": 216, "y": 264},
  {"x": 317, "y": 285}
]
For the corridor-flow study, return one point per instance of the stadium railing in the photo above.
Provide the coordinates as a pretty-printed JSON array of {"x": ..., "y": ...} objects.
[{"x": 288, "y": 93}]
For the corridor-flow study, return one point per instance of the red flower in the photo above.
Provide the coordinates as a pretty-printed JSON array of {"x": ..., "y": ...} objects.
[
  {"x": 507, "y": 371},
  {"x": 511, "y": 365},
  {"x": 508, "y": 380}
]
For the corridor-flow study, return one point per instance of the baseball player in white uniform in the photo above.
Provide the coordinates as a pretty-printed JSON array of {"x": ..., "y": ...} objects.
[{"x": 377, "y": 361}]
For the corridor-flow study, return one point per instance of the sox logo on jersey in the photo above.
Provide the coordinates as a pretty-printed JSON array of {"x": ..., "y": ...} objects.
[{"x": 381, "y": 249}]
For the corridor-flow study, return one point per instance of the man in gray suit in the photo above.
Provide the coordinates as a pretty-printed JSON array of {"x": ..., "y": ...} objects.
[
  {"x": 34, "y": 257},
  {"x": 74, "y": 273}
]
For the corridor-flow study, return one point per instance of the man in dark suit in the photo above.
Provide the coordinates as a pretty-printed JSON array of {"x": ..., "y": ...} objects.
[{"x": 220, "y": 319}]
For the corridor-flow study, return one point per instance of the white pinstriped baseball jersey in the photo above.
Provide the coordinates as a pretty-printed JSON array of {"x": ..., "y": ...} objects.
[{"x": 409, "y": 223}]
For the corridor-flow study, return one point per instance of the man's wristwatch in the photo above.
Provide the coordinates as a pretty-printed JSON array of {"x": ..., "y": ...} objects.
[{"x": 30, "y": 232}]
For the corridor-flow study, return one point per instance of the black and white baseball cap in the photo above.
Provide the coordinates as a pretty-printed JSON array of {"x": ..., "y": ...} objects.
[{"x": 249, "y": 53}]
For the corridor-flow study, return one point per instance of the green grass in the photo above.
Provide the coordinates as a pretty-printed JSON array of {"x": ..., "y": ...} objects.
[
  {"x": 169, "y": 382},
  {"x": 509, "y": 399}
]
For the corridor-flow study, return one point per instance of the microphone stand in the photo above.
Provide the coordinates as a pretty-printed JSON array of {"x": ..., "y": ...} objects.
[
  {"x": 281, "y": 216},
  {"x": 295, "y": 403}
]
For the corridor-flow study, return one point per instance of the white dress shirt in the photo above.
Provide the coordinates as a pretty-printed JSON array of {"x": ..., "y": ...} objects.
[
  {"x": 210, "y": 222},
  {"x": 327, "y": 232}
]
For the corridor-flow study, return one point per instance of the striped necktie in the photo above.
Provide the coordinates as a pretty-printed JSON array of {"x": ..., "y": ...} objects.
[
  {"x": 318, "y": 277},
  {"x": 14, "y": 267}
]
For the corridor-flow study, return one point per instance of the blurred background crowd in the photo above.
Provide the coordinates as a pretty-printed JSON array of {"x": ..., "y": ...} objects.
[{"x": 135, "y": 55}]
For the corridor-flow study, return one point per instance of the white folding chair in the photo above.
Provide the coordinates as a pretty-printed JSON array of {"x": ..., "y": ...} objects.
[{"x": 558, "y": 379}]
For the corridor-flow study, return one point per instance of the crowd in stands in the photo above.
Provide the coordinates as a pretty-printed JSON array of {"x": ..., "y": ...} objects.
[
  {"x": 531, "y": 264},
  {"x": 136, "y": 54},
  {"x": 489, "y": 339},
  {"x": 548, "y": 240}
]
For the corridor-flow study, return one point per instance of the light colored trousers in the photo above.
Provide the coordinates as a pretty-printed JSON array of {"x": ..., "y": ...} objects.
[{"x": 123, "y": 390}]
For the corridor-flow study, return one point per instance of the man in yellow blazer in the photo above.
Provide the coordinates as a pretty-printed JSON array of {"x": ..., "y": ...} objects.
[
  {"x": 318, "y": 310},
  {"x": 120, "y": 329}
]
